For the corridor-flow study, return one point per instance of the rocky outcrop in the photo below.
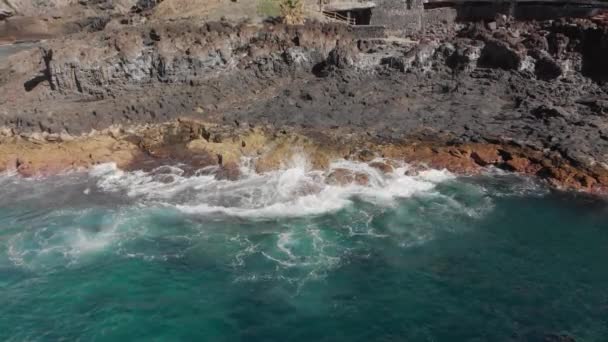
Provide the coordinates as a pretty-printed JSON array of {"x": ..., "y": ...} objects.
[
  {"x": 512, "y": 96},
  {"x": 498, "y": 54},
  {"x": 200, "y": 145}
]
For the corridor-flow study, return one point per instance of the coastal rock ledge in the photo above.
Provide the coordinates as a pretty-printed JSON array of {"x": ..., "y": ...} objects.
[
  {"x": 526, "y": 97},
  {"x": 220, "y": 149}
]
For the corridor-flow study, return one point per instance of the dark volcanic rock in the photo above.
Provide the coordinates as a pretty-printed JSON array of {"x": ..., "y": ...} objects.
[
  {"x": 547, "y": 68},
  {"x": 341, "y": 57},
  {"x": 499, "y": 87},
  {"x": 464, "y": 57},
  {"x": 498, "y": 54}
]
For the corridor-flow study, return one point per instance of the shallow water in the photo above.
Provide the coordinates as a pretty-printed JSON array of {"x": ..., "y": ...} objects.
[{"x": 109, "y": 255}]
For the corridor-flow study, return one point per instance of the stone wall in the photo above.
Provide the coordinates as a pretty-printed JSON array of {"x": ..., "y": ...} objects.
[
  {"x": 408, "y": 17},
  {"x": 369, "y": 31},
  {"x": 523, "y": 11},
  {"x": 439, "y": 20},
  {"x": 400, "y": 17}
]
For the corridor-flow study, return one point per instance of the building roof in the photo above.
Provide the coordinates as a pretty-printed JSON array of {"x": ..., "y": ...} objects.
[{"x": 348, "y": 5}]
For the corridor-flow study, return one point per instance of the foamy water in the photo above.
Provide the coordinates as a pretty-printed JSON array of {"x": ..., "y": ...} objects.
[
  {"x": 285, "y": 255},
  {"x": 292, "y": 191}
]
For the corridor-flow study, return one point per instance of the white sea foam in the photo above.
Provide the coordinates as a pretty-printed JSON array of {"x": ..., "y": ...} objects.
[
  {"x": 295, "y": 190},
  {"x": 60, "y": 243}
]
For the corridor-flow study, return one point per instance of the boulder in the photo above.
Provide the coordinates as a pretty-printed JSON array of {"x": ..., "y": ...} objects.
[
  {"x": 498, "y": 54},
  {"x": 365, "y": 156},
  {"x": 517, "y": 164},
  {"x": 394, "y": 62},
  {"x": 419, "y": 57},
  {"x": 228, "y": 171},
  {"x": 486, "y": 156},
  {"x": 343, "y": 177},
  {"x": 547, "y": 68},
  {"x": 341, "y": 57},
  {"x": 414, "y": 170},
  {"x": 464, "y": 57},
  {"x": 382, "y": 167}
]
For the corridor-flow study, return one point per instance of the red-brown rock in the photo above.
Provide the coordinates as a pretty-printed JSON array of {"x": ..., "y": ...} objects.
[{"x": 382, "y": 166}]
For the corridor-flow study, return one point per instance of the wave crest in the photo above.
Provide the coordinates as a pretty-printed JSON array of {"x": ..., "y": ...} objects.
[{"x": 295, "y": 190}]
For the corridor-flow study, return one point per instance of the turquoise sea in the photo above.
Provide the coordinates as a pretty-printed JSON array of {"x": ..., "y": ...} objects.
[{"x": 107, "y": 255}]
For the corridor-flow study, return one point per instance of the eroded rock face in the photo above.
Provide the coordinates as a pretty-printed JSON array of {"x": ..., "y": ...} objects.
[
  {"x": 512, "y": 96},
  {"x": 184, "y": 142}
]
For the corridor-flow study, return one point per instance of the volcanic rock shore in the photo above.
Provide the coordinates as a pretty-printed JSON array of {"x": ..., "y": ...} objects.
[{"x": 524, "y": 97}]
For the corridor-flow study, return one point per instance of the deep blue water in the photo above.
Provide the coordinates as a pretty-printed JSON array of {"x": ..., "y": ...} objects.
[{"x": 493, "y": 258}]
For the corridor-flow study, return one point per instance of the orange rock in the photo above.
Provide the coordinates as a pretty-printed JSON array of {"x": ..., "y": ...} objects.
[
  {"x": 518, "y": 164},
  {"x": 586, "y": 181},
  {"x": 452, "y": 163},
  {"x": 344, "y": 177},
  {"x": 383, "y": 167},
  {"x": 485, "y": 155},
  {"x": 603, "y": 179}
]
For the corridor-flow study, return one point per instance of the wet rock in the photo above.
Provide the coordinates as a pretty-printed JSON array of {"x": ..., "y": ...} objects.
[
  {"x": 365, "y": 156},
  {"x": 414, "y": 170},
  {"x": 361, "y": 178},
  {"x": 344, "y": 177},
  {"x": 382, "y": 166},
  {"x": 228, "y": 171}
]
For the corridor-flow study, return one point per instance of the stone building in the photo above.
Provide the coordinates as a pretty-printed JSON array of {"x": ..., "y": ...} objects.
[
  {"x": 411, "y": 17},
  {"x": 397, "y": 17}
]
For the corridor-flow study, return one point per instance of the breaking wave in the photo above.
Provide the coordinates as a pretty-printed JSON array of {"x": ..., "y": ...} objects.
[
  {"x": 299, "y": 223},
  {"x": 293, "y": 191}
]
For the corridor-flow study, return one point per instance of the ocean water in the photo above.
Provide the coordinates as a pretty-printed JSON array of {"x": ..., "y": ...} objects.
[{"x": 107, "y": 255}]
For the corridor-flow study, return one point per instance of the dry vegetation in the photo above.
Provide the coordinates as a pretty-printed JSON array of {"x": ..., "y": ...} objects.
[{"x": 292, "y": 12}]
